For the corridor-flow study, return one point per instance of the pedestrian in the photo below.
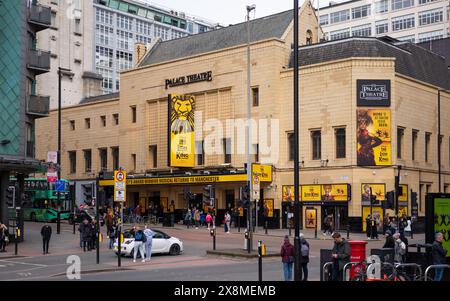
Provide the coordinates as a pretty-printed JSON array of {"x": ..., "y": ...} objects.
[
  {"x": 148, "y": 244},
  {"x": 188, "y": 218},
  {"x": 408, "y": 228},
  {"x": 369, "y": 226},
  {"x": 438, "y": 255},
  {"x": 172, "y": 213},
  {"x": 46, "y": 234},
  {"x": 3, "y": 237},
  {"x": 386, "y": 223},
  {"x": 340, "y": 256},
  {"x": 287, "y": 258},
  {"x": 112, "y": 233},
  {"x": 374, "y": 231},
  {"x": 85, "y": 232},
  {"x": 139, "y": 240},
  {"x": 393, "y": 225},
  {"x": 330, "y": 224},
  {"x": 326, "y": 225},
  {"x": 93, "y": 234},
  {"x": 399, "y": 248},
  {"x": 227, "y": 222},
  {"x": 389, "y": 242},
  {"x": 202, "y": 218},
  {"x": 209, "y": 220},
  {"x": 304, "y": 259},
  {"x": 197, "y": 218}
]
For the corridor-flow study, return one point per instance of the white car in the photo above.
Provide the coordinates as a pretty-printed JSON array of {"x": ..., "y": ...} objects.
[{"x": 161, "y": 244}]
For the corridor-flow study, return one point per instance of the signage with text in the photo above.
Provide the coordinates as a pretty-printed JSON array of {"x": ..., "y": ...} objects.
[
  {"x": 317, "y": 193},
  {"x": 373, "y": 93},
  {"x": 189, "y": 79},
  {"x": 120, "y": 186}
]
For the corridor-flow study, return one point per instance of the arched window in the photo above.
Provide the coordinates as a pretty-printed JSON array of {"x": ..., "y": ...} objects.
[{"x": 309, "y": 37}]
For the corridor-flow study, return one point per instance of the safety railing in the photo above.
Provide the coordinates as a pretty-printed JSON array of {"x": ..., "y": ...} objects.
[
  {"x": 416, "y": 268},
  {"x": 350, "y": 264},
  {"x": 435, "y": 266},
  {"x": 325, "y": 271}
]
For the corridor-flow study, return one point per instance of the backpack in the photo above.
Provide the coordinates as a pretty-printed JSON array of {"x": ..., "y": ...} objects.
[
  {"x": 304, "y": 250},
  {"x": 138, "y": 236}
]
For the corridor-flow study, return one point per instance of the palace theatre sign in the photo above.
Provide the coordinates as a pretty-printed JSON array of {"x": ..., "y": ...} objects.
[{"x": 189, "y": 79}]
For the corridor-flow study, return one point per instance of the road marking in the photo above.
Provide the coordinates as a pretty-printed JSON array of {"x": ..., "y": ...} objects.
[{"x": 24, "y": 263}]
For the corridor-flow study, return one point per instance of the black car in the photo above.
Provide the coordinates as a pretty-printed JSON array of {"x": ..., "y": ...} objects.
[{"x": 81, "y": 215}]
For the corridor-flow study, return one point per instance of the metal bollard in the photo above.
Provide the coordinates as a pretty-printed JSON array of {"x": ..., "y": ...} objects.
[
  {"x": 324, "y": 270},
  {"x": 265, "y": 226},
  {"x": 348, "y": 231}
]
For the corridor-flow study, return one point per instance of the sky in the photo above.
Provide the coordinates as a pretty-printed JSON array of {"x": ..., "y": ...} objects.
[{"x": 228, "y": 11}]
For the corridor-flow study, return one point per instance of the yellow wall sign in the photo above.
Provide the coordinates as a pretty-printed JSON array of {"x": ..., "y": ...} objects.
[
  {"x": 311, "y": 218},
  {"x": 310, "y": 193},
  {"x": 404, "y": 196},
  {"x": 335, "y": 192},
  {"x": 264, "y": 172},
  {"x": 268, "y": 205},
  {"x": 288, "y": 193},
  {"x": 379, "y": 190},
  {"x": 374, "y": 137},
  {"x": 181, "y": 130}
]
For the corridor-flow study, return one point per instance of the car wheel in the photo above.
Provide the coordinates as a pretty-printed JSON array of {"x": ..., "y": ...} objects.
[
  {"x": 33, "y": 217},
  {"x": 175, "y": 249}
]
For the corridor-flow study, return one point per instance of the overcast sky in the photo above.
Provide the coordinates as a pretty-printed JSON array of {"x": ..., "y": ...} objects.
[{"x": 229, "y": 11}]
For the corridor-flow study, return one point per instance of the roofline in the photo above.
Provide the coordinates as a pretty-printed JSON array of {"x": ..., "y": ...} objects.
[{"x": 338, "y": 4}]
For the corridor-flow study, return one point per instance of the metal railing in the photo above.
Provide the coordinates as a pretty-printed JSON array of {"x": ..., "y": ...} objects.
[
  {"x": 346, "y": 267},
  {"x": 39, "y": 59},
  {"x": 416, "y": 268},
  {"x": 40, "y": 15},
  {"x": 435, "y": 266},
  {"x": 324, "y": 270},
  {"x": 38, "y": 105}
]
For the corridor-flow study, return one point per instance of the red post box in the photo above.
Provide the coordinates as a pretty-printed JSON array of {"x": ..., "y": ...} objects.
[{"x": 357, "y": 254}]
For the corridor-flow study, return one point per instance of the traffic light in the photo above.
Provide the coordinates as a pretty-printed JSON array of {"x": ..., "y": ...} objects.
[
  {"x": 413, "y": 198},
  {"x": 390, "y": 200},
  {"x": 398, "y": 188},
  {"x": 208, "y": 194},
  {"x": 11, "y": 196},
  {"x": 245, "y": 195}
]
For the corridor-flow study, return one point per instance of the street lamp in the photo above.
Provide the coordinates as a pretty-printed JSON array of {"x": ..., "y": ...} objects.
[
  {"x": 296, "y": 151},
  {"x": 249, "y": 131}
]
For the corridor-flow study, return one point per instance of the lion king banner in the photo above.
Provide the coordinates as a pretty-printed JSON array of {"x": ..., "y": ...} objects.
[{"x": 181, "y": 130}]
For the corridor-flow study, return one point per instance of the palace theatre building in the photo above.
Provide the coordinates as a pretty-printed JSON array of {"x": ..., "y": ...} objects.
[{"x": 367, "y": 107}]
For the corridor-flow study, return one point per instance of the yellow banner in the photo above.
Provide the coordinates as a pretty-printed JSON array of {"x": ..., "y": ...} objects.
[
  {"x": 374, "y": 137},
  {"x": 311, "y": 218},
  {"x": 310, "y": 193},
  {"x": 404, "y": 196},
  {"x": 402, "y": 211},
  {"x": 379, "y": 190},
  {"x": 181, "y": 130},
  {"x": 335, "y": 192},
  {"x": 288, "y": 193},
  {"x": 268, "y": 207},
  {"x": 264, "y": 172}
]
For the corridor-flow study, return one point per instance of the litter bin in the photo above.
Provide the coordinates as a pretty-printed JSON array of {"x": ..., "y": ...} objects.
[
  {"x": 357, "y": 254},
  {"x": 325, "y": 256}
]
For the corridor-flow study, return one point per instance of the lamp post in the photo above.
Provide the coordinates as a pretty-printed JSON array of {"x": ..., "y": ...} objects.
[
  {"x": 439, "y": 140},
  {"x": 249, "y": 131},
  {"x": 296, "y": 150}
]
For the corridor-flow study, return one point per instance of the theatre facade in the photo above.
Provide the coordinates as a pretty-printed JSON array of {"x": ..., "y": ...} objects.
[{"x": 367, "y": 106}]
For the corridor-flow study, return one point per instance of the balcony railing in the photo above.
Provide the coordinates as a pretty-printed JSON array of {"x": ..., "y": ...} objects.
[
  {"x": 38, "y": 105},
  {"x": 39, "y": 61},
  {"x": 40, "y": 16}
]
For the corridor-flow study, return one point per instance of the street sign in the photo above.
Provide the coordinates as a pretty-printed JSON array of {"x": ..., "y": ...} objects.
[
  {"x": 60, "y": 186},
  {"x": 256, "y": 194},
  {"x": 52, "y": 157},
  {"x": 255, "y": 183},
  {"x": 120, "y": 185}
]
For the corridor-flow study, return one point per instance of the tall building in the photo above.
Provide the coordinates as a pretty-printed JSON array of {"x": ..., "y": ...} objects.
[
  {"x": 406, "y": 20},
  {"x": 95, "y": 40},
  {"x": 20, "y": 63}
]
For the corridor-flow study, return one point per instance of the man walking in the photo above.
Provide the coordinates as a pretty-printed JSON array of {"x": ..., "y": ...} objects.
[
  {"x": 85, "y": 232},
  {"x": 227, "y": 222},
  {"x": 304, "y": 253},
  {"x": 139, "y": 240},
  {"x": 340, "y": 255},
  {"x": 46, "y": 233},
  {"x": 439, "y": 255},
  {"x": 148, "y": 244},
  {"x": 369, "y": 226}
]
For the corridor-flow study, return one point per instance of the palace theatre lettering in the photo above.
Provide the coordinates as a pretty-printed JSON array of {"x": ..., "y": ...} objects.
[
  {"x": 373, "y": 93},
  {"x": 189, "y": 79}
]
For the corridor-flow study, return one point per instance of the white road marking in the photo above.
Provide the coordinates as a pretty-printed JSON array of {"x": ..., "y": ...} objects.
[{"x": 24, "y": 263}]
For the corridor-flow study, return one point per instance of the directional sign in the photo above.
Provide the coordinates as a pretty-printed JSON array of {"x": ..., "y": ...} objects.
[
  {"x": 60, "y": 185},
  {"x": 120, "y": 185}
]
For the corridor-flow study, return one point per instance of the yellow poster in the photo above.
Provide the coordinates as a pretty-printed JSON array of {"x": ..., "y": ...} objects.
[
  {"x": 181, "y": 130},
  {"x": 402, "y": 211},
  {"x": 164, "y": 203},
  {"x": 404, "y": 196},
  {"x": 378, "y": 190},
  {"x": 264, "y": 172},
  {"x": 310, "y": 193},
  {"x": 335, "y": 192},
  {"x": 377, "y": 213},
  {"x": 268, "y": 207},
  {"x": 311, "y": 217},
  {"x": 288, "y": 193},
  {"x": 374, "y": 137}
]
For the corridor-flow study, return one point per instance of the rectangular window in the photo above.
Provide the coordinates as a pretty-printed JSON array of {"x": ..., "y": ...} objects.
[
  {"x": 255, "y": 153},
  {"x": 199, "y": 150},
  {"x": 87, "y": 160},
  {"x": 226, "y": 143},
  {"x": 381, "y": 6},
  {"x": 324, "y": 20},
  {"x": 73, "y": 161},
  {"x": 316, "y": 142},
  {"x": 133, "y": 161},
  {"x": 400, "y": 133},
  {"x": 255, "y": 96},
  {"x": 77, "y": 28},
  {"x": 431, "y": 16},
  {"x": 340, "y": 34},
  {"x": 427, "y": 145},
  {"x": 403, "y": 22},
  {"x": 115, "y": 119},
  {"x": 125, "y": 40},
  {"x": 103, "y": 121},
  {"x": 431, "y": 35},
  {"x": 115, "y": 157},
  {"x": 399, "y": 4},
  {"x": 103, "y": 154},
  {"x": 124, "y": 60},
  {"x": 415, "y": 134},
  {"x": 340, "y": 16},
  {"x": 87, "y": 123},
  {"x": 421, "y": 196},
  {"x": 381, "y": 26},
  {"x": 53, "y": 19},
  {"x": 103, "y": 16},
  {"x": 103, "y": 57},
  {"x": 154, "y": 155},
  {"x": 340, "y": 143},
  {"x": 72, "y": 125},
  {"x": 291, "y": 146},
  {"x": 104, "y": 35},
  {"x": 133, "y": 114},
  {"x": 426, "y": 1},
  {"x": 362, "y": 31},
  {"x": 360, "y": 11}
]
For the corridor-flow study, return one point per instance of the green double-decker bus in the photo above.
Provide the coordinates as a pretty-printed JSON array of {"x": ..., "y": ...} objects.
[{"x": 40, "y": 200}]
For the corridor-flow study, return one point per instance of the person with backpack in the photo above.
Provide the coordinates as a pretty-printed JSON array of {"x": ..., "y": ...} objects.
[
  {"x": 139, "y": 240},
  {"x": 148, "y": 244},
  {"x": 287, "y": 258},
  {"x": 399, "y": 248},
  {"x": 304, "y": 259}
]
